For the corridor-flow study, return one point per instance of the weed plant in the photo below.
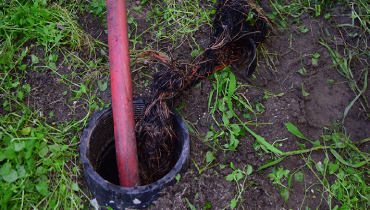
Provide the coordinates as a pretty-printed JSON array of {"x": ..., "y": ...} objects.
[{"x": 38, "y": 160}]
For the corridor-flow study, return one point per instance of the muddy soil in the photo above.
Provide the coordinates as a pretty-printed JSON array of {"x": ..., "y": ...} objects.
[{"x": 325, "y": 104}]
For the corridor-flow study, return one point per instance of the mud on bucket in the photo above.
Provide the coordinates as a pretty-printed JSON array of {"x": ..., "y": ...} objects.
[{"x": 100, "y": 167}]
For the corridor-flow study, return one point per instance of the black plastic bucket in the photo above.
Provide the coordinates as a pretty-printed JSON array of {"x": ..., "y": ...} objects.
[{"x": 100, "y": 167}]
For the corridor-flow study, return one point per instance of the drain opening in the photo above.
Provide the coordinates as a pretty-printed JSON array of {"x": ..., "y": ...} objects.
[{"x": 102, "y": 153}]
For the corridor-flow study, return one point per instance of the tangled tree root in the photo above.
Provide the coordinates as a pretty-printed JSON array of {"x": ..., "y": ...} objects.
[{"x": 235, "y": 23}]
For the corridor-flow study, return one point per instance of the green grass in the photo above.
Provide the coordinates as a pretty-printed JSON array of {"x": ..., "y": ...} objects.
[
  {"x": 175, "y": 21},
  {"x": 38, "y": 157},
  {"x": 223, "y": 97},
  {"x": 347, "y": 163},
  {"x": 351, "y": 188}
]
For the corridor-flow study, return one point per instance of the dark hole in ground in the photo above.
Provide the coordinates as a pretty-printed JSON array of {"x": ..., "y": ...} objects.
[{"x": 102, "y": 153}]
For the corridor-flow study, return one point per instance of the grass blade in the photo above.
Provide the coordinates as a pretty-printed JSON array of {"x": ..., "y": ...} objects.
[
  {"x": 335, "y": 153},
  {"x": 271, "y": 164},
  {"x": 350, "y": 106},
  {"x": 294, "y": 130},
  {"x": 232, "y": 87},
  {"x": 190, "y": 205},
  {"x": 260, "y": 139}
]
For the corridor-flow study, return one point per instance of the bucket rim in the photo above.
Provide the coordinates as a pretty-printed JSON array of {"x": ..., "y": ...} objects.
[{"x": 157, "y": 185}]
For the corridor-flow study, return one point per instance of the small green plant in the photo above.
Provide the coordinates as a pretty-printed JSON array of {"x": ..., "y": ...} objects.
[
  {"x": 236, "y": 176},
  {"x": 351, "y": 188},
  {"x": 303, "y": 29},
  {"x": 209, "y": 159},
  {"x": 98, "y": 8},
  {"x": 178, "y": 177},
  {"x": 222, "y": 97},
  {"x": 314, "y": 59},
  {"x": 277, "y": 175},
  {"x": 190, "y": 205},
  {"x": 304, "y": 93},
  {"x": 38, "y": 159}
]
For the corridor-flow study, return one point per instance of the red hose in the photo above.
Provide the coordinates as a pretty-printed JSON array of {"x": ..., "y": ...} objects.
[{"x": 122, "y": 101}]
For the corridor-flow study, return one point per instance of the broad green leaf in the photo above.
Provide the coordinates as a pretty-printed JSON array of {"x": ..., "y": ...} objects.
[
  {"x": 20, "y": 95},
  {"x": 29, "y": 148},
  {"x": 285, "y": 193},
  {"x": 299, "y": 176},
  {"x": 75, "y": 187},
  {"x": 229, "y": 177},
  {"x": 239, "y": 176},
  {"x": 232, "y": 203},
  {"x": 41, "y": 170},
  {"x": 21, "y": 170},
  {"x": 31, "y": 164},
  {"x": 236, "y": 143},
  {"x": 338, "y": 193},
  {"x": 42, "y": 188},
  {"x": 209, "y": 157},
  {"x": 249, "y": 169},
  {"x": 178, "y": 177},
  {"x": 64, "y": 147},
  {"x": 232, "y": 138},
  {"x": 57, "y": 38},
  {"x": 314, "y": 62},
  {"x": 43, "y": 151},
  {"x": 19, "y": 146},
  {"x": 294, "y": 130},
  {"x": 333, "y": 168},
  {"x": 34, "y": 59},
  {"x": 225, "y": 119},
  {"x": 27, "y": 87},
  {"x": 15, "y": 84},
  {"x": 9, "y": 153},
  {"x": 5, "y": 169},
  {"x": 102, "y": 84},
  {"x": 52, "y": 66},
  {"x": 235, "y": 128},
  {"x": 320, "y": 167},
  {"x": 285, "y": 172},
  {"x": 11, "y": 177},
  {"x": 54, "y": 148},
  {"x": 229, "y": 114},
  {"x": 242, "y": 132},
  {"x": 271, "y": 176},
  {"x": 209, "y": 135}
]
